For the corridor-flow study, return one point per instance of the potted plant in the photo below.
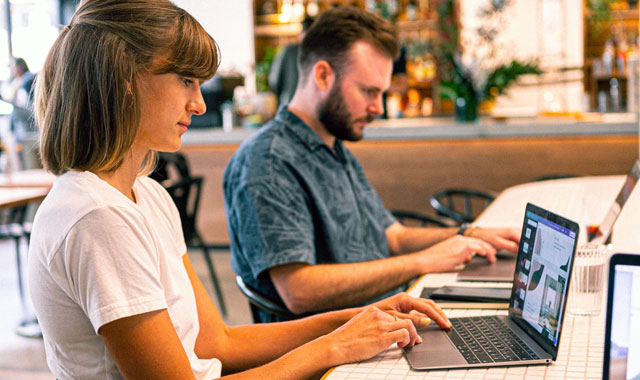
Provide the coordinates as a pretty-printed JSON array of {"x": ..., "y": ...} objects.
[{"x": 471, "y": 77}]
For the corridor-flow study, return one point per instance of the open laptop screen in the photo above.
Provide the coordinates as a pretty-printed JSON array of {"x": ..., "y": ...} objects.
[
  {"x": 622, "y": 346},
  {"x": 600, "y": 234},
  {"x": 541, "y": 280}
]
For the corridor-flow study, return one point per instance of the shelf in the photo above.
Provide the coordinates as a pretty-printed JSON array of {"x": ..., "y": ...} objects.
[
  {"x": 416, "y": 26},
  {"x": 620, "y": 15},
  {"x": 421, "y": 84},
  {"x": 278, "y": 30},
  {"x": 609, "y": 77},
  {"x": 629, "y": 14}
]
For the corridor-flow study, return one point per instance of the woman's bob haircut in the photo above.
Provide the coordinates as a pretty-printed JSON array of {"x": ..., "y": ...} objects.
[{"x": 87, "y": 96}]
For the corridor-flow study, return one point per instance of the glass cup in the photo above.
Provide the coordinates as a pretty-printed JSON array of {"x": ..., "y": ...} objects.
[{"x": 587, "y": 284}]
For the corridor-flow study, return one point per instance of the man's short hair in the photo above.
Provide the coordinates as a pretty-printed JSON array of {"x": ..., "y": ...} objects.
[
  {"x": 87, "y": 99},
  {"x": 22, "y": 64},
  {"x": 336, "y": 30}
]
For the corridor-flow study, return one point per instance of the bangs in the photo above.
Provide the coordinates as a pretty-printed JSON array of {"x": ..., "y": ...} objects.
[{"x": 193, "y": 52}]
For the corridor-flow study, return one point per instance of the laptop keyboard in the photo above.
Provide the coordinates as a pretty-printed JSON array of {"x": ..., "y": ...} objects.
[{"x": 488, "y": 339}]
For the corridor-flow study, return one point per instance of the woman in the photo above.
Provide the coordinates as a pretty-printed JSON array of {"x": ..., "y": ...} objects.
[{"x": 113, "y": 288}]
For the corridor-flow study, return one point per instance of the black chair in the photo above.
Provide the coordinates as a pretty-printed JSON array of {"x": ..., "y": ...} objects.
[
  {"x": 185, "y": 192},
  {"x": 461, "y": 205},
  {"x": 12, "y": 226},
  {"x": 555, "y": 176},
  {"x": 259, "y": 302},
  {"x": 411, "y": 219},
  {"x": 171, "y": 166}
]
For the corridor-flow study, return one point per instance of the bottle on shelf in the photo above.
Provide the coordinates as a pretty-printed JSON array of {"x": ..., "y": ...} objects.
[{"x": 607, "y": 58}]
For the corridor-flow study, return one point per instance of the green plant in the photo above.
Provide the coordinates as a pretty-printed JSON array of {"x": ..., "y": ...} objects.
[
  {"x": 263, "y": 67},
  {"x": 598, "y": 15},
  {"x": 482, "y": 76}
]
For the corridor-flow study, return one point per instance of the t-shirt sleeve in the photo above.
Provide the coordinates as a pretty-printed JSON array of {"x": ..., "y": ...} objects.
[
  {"x": 163, "y": 200},
  {"x": 112, "y": 266},
  {"x": 273, "y": 222}
]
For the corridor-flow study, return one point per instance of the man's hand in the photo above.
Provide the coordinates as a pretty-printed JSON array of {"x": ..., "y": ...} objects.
[
  {"x": 502, "y": 239},
  {"x": 452, "y": 252}
]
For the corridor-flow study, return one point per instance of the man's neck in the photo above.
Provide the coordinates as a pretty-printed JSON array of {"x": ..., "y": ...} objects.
[{"x": 307, "y": 114}]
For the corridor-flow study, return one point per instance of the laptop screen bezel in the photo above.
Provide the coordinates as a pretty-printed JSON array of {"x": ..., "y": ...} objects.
[
  {"x": 532, "y": 332},
  {"x": 617, "y": 205},
  {"x": 616, "y": 259}
]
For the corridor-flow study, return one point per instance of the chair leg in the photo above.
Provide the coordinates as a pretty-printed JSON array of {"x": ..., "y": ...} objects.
[
  {"x": 255, "y": 314},
  {"x": 19, "y": 270},
  {"x": 212, "y": 273}
]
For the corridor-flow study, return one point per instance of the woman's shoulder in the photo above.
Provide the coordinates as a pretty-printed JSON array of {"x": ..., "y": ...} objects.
[{"x": 151, "y": 190}]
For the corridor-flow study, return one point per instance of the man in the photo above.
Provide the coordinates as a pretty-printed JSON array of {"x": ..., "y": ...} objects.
[
  {"x": 19, "y": 94},
  {"x": 306, "y": 227},
  {"x": 23, "y": 127},
  {"x": 283, "y": 77}
]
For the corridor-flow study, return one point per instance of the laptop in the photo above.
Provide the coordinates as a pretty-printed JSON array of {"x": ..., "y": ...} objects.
[
  {"x": 601, "y": 234},
  {"x": 530, "y": 333},
  {"x": 622, "y": 333},
  {"x": 479, "y": 269}
]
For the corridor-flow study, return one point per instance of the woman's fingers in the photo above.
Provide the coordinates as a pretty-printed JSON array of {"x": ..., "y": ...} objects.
[{"x": 420, "y": 311}]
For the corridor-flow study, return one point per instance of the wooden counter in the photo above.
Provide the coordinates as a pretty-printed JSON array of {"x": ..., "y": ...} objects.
[{"x": 407, "y": 164}]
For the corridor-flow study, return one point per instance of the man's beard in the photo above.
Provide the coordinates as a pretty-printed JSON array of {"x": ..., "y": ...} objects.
[{"x": 333, "y": 114}]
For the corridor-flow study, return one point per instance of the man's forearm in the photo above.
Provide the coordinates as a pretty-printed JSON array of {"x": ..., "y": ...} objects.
[
  {"x": 408, "y": 239},
  {"x": 306, "y": 288}
]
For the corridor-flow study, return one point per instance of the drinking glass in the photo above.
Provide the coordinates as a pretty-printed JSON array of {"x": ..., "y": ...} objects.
[{"x": 587, "y": 283}]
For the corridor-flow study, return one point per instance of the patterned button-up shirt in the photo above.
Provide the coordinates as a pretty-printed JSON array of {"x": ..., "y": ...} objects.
[{"x": 290, "y": 198}]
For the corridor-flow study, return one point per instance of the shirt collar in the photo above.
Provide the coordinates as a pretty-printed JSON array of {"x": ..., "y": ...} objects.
[{"x": 300, "y": 129}]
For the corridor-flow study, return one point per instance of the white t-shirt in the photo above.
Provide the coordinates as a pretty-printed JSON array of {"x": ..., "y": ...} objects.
[{"x": 95, "y": 257}]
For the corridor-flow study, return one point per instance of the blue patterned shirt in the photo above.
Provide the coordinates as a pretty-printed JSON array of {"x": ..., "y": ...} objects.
[{"x": 289, "y": 198}]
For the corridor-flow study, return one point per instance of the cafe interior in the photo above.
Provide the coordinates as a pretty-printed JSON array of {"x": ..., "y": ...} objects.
[{"x": 493, "y": 104}]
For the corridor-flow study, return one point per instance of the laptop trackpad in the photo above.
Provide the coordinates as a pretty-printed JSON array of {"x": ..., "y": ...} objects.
[{"x": 436, "y": 350}]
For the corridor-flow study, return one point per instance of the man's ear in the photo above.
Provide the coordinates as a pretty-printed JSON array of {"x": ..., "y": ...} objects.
[{"x": 323, "y": 76}]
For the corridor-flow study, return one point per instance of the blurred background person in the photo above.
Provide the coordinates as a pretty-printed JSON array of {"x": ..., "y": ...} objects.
[
  {"x": 22, "y": 125},
  {"x": 283, "y": 76}
]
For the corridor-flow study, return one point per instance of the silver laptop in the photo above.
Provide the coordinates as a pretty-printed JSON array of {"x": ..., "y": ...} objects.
[
  {"x": 622, "y": 334},
  {"x": 479, "y": 269},
  {"x": 601, "y": 234},
  {"x": 530, "y": 333}
]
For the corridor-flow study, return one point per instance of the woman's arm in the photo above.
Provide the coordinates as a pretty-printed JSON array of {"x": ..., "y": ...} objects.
[
  {"x": 249, "y": 346},
  {"x": 301, "y": 346},
  {"x": 146, "y": 346}
]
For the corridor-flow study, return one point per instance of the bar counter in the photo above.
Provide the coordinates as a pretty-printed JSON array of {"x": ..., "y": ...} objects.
[
  {"x": 407, "y": 160},
  {"x": 446, "y": 128}
]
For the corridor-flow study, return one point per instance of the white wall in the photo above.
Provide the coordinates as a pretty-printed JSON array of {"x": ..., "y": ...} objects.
[
  {"x": 231, "y": 25},
  {"x": 550, "y": 30}
]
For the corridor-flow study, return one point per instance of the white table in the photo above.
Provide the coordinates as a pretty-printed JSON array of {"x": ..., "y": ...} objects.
[
  {"x": 581, "y": 343},
  {"x": 565, "y": 197},
  {"x": 27, "y": 178}
]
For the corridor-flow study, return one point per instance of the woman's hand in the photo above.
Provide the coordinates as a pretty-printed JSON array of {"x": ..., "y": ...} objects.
[
  {"x": 420, "y": 311},
  {"x": 392, "y": 320},
  {"x": 367, "y": 334}
]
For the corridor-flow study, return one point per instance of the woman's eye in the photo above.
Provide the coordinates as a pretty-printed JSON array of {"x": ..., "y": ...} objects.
[{"x": 187, "y": 82}]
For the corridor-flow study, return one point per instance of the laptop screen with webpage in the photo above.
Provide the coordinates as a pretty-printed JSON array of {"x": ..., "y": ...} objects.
[
  {"x": 541, "y": 281},
  {"x": 622, "y": 337}
]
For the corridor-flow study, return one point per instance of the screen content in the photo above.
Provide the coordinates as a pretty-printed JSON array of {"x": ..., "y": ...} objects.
[
  {"x": 542, "y": 275},
  {"x": 625, "y": 324}
]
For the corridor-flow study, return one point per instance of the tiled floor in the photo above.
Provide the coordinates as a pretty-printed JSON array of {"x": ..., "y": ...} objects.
[{"x": 23, "y": 358}]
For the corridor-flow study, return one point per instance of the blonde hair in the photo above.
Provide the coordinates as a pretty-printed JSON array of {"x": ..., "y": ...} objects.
[{"x": 87, "y": 101}]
